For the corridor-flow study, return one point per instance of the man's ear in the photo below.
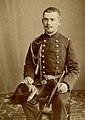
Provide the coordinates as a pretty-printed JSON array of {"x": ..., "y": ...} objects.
[
  {"x": 59, "y": 22},
  {"x": 42, "y": 21}
]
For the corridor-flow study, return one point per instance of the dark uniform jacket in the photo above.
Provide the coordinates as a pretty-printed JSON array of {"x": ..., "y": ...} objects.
[{"x": 55, "y": 54}]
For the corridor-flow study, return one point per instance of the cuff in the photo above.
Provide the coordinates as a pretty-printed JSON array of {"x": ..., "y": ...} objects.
[
  {"x": 67, "y": 86},
  {"x": 30, "y": 80}
]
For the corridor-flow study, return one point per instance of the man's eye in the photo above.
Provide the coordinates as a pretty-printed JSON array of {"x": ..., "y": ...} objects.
[
  {"x": 45, "y": 19},
  {"x": 52, "y": 19}
]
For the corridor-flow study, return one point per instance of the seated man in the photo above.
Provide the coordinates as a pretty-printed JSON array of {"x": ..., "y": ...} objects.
[{"x": 48, "y": 56}]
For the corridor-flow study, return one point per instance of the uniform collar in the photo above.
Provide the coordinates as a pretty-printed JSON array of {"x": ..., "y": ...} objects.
[{"x": 55, "y": 35}]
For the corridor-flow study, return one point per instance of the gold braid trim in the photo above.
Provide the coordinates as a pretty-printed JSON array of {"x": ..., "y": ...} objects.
[
  {"x": 36, "y": 57},
  {"x": 39, "y": 60},
  {"x": 37, "y": 42},
  {"x": 33, "y": 56}
]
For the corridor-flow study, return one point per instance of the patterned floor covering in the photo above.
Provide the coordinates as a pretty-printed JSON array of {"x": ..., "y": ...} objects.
[{"x": 15, "y": 112}]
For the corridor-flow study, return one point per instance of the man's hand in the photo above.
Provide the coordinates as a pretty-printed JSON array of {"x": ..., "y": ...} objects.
[
  {"x": 62, "y": 88},
  {"x": 28, "y": 81},
  {"x": 43, "y": 82}
]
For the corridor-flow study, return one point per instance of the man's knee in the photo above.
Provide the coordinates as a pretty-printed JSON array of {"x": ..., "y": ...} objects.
[
  {"x": 63, "y": 98},
  {"x": 30, "y": 110}
]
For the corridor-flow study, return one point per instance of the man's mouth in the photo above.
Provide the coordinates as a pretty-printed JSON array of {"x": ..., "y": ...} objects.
[{"x": 48, "y": 26}]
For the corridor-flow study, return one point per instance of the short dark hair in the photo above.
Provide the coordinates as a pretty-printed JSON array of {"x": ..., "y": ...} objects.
[{"x": 52, "y": 9}]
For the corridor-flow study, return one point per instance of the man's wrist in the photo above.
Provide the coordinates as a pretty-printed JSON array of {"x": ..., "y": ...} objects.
[
  {"x": 67, "y": 86},
  {"x": 29, "y": 80}
]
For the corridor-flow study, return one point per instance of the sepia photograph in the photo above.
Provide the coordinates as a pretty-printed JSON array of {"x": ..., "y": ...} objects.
[{"x": 42, "y": 52}]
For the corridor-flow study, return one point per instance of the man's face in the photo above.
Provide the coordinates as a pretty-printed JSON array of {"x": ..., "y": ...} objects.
[{"x": 51, "y": 22}]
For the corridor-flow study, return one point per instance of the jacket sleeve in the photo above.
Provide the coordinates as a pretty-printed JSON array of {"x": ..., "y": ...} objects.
[
  {"x": 30, "y": 66},
  {"x": 73, "y": 67}
]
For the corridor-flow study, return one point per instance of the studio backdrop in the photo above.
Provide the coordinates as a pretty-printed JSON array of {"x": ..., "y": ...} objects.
[{"x": 20, "y": 23}]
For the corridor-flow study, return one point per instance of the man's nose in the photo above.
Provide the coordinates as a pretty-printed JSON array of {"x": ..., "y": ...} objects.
[{"x": 49, "y": 21}]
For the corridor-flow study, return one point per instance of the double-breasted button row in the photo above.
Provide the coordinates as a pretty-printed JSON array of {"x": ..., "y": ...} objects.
[
  {"x": 56, "y": 45},
  {"x": 43, "y": 61},
  {"x": 57, "y": 54},
  {"x": 43, "y": 49}
]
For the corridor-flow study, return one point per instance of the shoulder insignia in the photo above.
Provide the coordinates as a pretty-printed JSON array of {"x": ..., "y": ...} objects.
[
  {"x": 37, "y": 42},
  {"x": 39, "y": 39}
]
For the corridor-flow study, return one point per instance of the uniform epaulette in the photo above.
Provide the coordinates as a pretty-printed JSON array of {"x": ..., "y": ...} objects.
[{"x": 36, "y": 41}]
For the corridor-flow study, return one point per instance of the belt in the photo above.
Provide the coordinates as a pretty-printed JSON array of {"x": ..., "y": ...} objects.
[{"x": 52, "y": 77}]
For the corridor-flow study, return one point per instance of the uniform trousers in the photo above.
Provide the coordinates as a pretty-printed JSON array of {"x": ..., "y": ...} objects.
[{"x": 59, "y": 102}]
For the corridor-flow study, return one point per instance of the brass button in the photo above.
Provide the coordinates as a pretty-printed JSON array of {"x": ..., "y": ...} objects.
[
  {"x": 57, "y": 46},
  {"x": 44, "y": 40},
  {"x": 43, "y": 61},
  {"x": 43, "y": 56},
  {"x": 56, "y": 41},
  {"x": 55, "y": 73},
  {"x": 43, "y": 66},
  {"x": 57, "y": 62},
  {"x": 57, "y": 56},
  {"x": 43, "y": 72},
  {"x": 43, "y": 50},
  {"x": 57, "y": 51},
  {"x": 57, "y": 68},
  {"x": 43, "y": 45}
]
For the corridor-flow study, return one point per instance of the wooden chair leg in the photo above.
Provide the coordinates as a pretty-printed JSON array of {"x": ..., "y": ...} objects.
[
  {"x": 50, "y": 114},
  {"x": 68, "y": 110},
  {"x": 41, "y": 104}
]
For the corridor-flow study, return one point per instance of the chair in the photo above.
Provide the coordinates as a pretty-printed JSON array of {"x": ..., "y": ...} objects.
[{"x": 49, "y": 113}]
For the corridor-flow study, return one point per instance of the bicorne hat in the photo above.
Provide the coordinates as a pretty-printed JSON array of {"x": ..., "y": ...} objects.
[{"x": 20, "y": 95}]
